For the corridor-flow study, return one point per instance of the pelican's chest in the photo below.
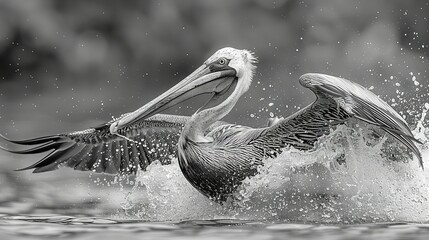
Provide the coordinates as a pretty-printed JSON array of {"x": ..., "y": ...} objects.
[{"x": 216, "y": 171}]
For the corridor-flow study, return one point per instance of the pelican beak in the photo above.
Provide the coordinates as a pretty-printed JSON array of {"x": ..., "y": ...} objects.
[{"x": 203, "y": 80}]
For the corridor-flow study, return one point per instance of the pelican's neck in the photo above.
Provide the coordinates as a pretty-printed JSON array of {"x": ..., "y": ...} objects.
[{"x": 200, "y": 121}]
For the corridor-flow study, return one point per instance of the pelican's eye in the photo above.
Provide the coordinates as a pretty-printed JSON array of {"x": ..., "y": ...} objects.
[
  {"x": 222, "y": 61},
  {"x": 219, "y": 64}
]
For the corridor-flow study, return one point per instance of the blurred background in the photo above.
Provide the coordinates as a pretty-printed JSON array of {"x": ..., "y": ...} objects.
[{"x": 70, "y": 65}]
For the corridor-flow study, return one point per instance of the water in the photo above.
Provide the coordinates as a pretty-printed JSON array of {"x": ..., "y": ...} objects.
[
  {"x": 67, "y": 227},
  {"x": 359, "y": 183}
]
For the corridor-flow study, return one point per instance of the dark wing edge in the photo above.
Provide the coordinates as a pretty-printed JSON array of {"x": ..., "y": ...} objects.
[
  {"x": 97, "y": 150},
  {"x": 337, "y": 101}
]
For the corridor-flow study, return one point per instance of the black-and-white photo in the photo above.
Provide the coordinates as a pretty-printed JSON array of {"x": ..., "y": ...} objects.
[{"x": 257, "y": 119}]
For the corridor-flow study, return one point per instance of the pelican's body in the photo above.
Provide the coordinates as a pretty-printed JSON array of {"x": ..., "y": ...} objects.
[
  {"x": 217, "y": 167},
  {"x": 214, "y": 156}
]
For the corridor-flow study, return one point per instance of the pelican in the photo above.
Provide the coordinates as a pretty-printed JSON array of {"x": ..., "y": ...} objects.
[{"x": 214, "y": 156}]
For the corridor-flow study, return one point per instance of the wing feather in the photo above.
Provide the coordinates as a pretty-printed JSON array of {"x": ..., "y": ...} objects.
[
  {"x": 337, "y": 101},
  {"x": 97, "y": 150}
]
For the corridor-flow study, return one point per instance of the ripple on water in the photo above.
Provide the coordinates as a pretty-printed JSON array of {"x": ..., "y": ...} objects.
[{"x": 16, "y": 227}]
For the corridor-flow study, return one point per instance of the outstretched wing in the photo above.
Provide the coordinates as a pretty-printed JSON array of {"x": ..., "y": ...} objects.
[
  {"x": 98, "y": 150},
  {"x": 337, "y": 100}
]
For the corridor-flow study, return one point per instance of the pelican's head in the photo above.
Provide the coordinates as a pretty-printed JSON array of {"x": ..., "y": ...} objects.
[
  {"x": 242, "y": 61},
  {"x": 226, "y": 68}
]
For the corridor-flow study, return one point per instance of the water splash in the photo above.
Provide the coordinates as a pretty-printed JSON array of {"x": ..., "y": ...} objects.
[{"x": 357, "y": 174}]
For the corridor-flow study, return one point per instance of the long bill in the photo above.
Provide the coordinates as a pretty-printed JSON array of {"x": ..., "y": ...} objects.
[{"x": 202, "y": 80}]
